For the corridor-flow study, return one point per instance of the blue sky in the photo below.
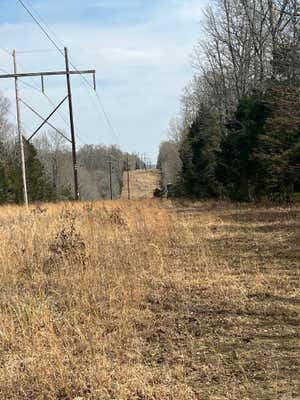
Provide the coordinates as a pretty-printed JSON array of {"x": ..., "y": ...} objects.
[{"x": 140, "y": 49}]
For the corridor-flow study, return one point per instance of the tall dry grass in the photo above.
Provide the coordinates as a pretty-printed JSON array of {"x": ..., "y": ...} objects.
[
  {"x": 74, "y": 286},
  {"x": 133, "y": 300}
]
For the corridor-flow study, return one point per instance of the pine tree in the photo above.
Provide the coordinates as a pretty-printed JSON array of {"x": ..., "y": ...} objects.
[
  {"x": 280, "y": 145},
  {"x": 3, "y": 184},
  {"x": 38, "y": 185},
  {"x": 239, "y": 168},
  {"x": 198, "y": 155}
]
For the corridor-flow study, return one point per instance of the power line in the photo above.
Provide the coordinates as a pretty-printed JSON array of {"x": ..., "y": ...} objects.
[
  {"x": 40, "y": 25},
  {"x": 106, "y": 116},
  {"x": 45, "y": 24},
  {"x": 56, "y": 46},
  {"x": 34, "y": 86},
  {"x": 50, "y": 101},
  {"x": 37, "y": 88},
  {"x": 61, "y": 52},
  {"x": 67, "y": 72}
]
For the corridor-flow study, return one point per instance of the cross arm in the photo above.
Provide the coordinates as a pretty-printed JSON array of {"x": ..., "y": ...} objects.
[{"x": 42, "y": 74}]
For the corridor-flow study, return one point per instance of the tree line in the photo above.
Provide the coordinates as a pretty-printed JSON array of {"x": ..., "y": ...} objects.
[
  {"x": 49, "y": 166},
  {"x": 238, "y": 133}
]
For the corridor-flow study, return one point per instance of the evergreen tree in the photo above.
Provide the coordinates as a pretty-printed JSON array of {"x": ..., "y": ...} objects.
[
  {"x": 38, "y": 185},
  {"x": 198, "y": 155},
  {"x": 260, "y": 148},
  {"x": 3, "y": 185},
  {"x": 3, "y": 177},
  {"x": 239, "y": 168},
  {"x": 280, "y": 145}
]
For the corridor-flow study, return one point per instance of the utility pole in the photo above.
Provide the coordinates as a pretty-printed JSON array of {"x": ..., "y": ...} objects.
[
  {"x": 67, "y": 72},
  {"x": 20, "y": 132},
  {"x": 128, "y": 178},
  {"x": 75, "y": 170},
  {"x": 110, "y": 178}
]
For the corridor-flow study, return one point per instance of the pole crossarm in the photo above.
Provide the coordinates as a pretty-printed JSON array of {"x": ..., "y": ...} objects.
[
  {"x": 51, "y": 73},
  {"x": 47, "y": 122},
  {"x": 49, "y": 116},
  {"x": 67, "y": 73}
]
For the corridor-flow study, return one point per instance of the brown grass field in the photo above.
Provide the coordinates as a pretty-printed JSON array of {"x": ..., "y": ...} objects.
[{"x": 149, "y": 300}]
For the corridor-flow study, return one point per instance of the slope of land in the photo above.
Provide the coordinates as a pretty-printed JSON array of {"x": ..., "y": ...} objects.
[
  {"x": 142, "y": 183},
  {"x": 149, "y": 300}
]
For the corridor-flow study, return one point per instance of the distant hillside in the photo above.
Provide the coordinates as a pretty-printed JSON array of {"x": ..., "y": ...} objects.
[{"x": 142, "y": 183}]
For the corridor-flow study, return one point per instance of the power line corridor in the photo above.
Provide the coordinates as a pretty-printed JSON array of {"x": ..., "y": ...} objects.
[{"x": 17, "y": 76}]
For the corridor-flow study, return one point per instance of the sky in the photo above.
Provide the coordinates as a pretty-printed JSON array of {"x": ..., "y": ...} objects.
[{"x": 141, "y": 50}]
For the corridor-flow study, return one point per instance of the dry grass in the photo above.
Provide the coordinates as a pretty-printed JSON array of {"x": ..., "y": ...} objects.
[
  {"x": 149, "y": 300},
  {"x": 142, "y": 183}
]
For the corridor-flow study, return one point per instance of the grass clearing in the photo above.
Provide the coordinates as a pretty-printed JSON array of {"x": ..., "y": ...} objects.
[
  {"x": 142, "y": 183},
  {"x": 149, "y": 300}
]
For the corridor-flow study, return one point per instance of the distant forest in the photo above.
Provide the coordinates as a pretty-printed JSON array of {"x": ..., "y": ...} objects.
[
  {"x": 238, "y": 133},
  {"x": 49, "y": 167}
]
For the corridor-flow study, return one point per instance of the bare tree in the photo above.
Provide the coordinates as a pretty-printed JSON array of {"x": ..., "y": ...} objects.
[{"x": 247, "y": 43}]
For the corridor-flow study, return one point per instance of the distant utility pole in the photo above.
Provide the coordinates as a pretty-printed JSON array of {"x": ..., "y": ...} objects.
[
  {"x": 128, "y": 178},
  {"x": 20, "y": 132},
  {"x": 110, "y": 178},
  {"x": 68, "y": 74}
]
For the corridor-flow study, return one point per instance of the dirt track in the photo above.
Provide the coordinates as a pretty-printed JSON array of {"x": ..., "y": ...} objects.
[{"x": 141, "y": 182}]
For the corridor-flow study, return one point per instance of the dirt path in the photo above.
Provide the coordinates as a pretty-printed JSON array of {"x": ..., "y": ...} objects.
[
  {"x": 141, "y": 182},
  {"x": 249, "y": 306}
]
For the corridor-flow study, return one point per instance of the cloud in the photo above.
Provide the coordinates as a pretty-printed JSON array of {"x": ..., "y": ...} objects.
[
  {"x": 191, "y": 10},
  {"x": 115, "y": 4},
  {"x": 141, "y": 70}
]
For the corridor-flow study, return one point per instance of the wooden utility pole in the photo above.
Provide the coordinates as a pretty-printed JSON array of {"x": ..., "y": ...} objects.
[
  {"x": 128, "y": 178},
  {"x": 75, "y": 170},
  {"x": 67, "y": 72},
  {"x": 110, "y": 178},
  {"x": 20, "y": 133}
]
